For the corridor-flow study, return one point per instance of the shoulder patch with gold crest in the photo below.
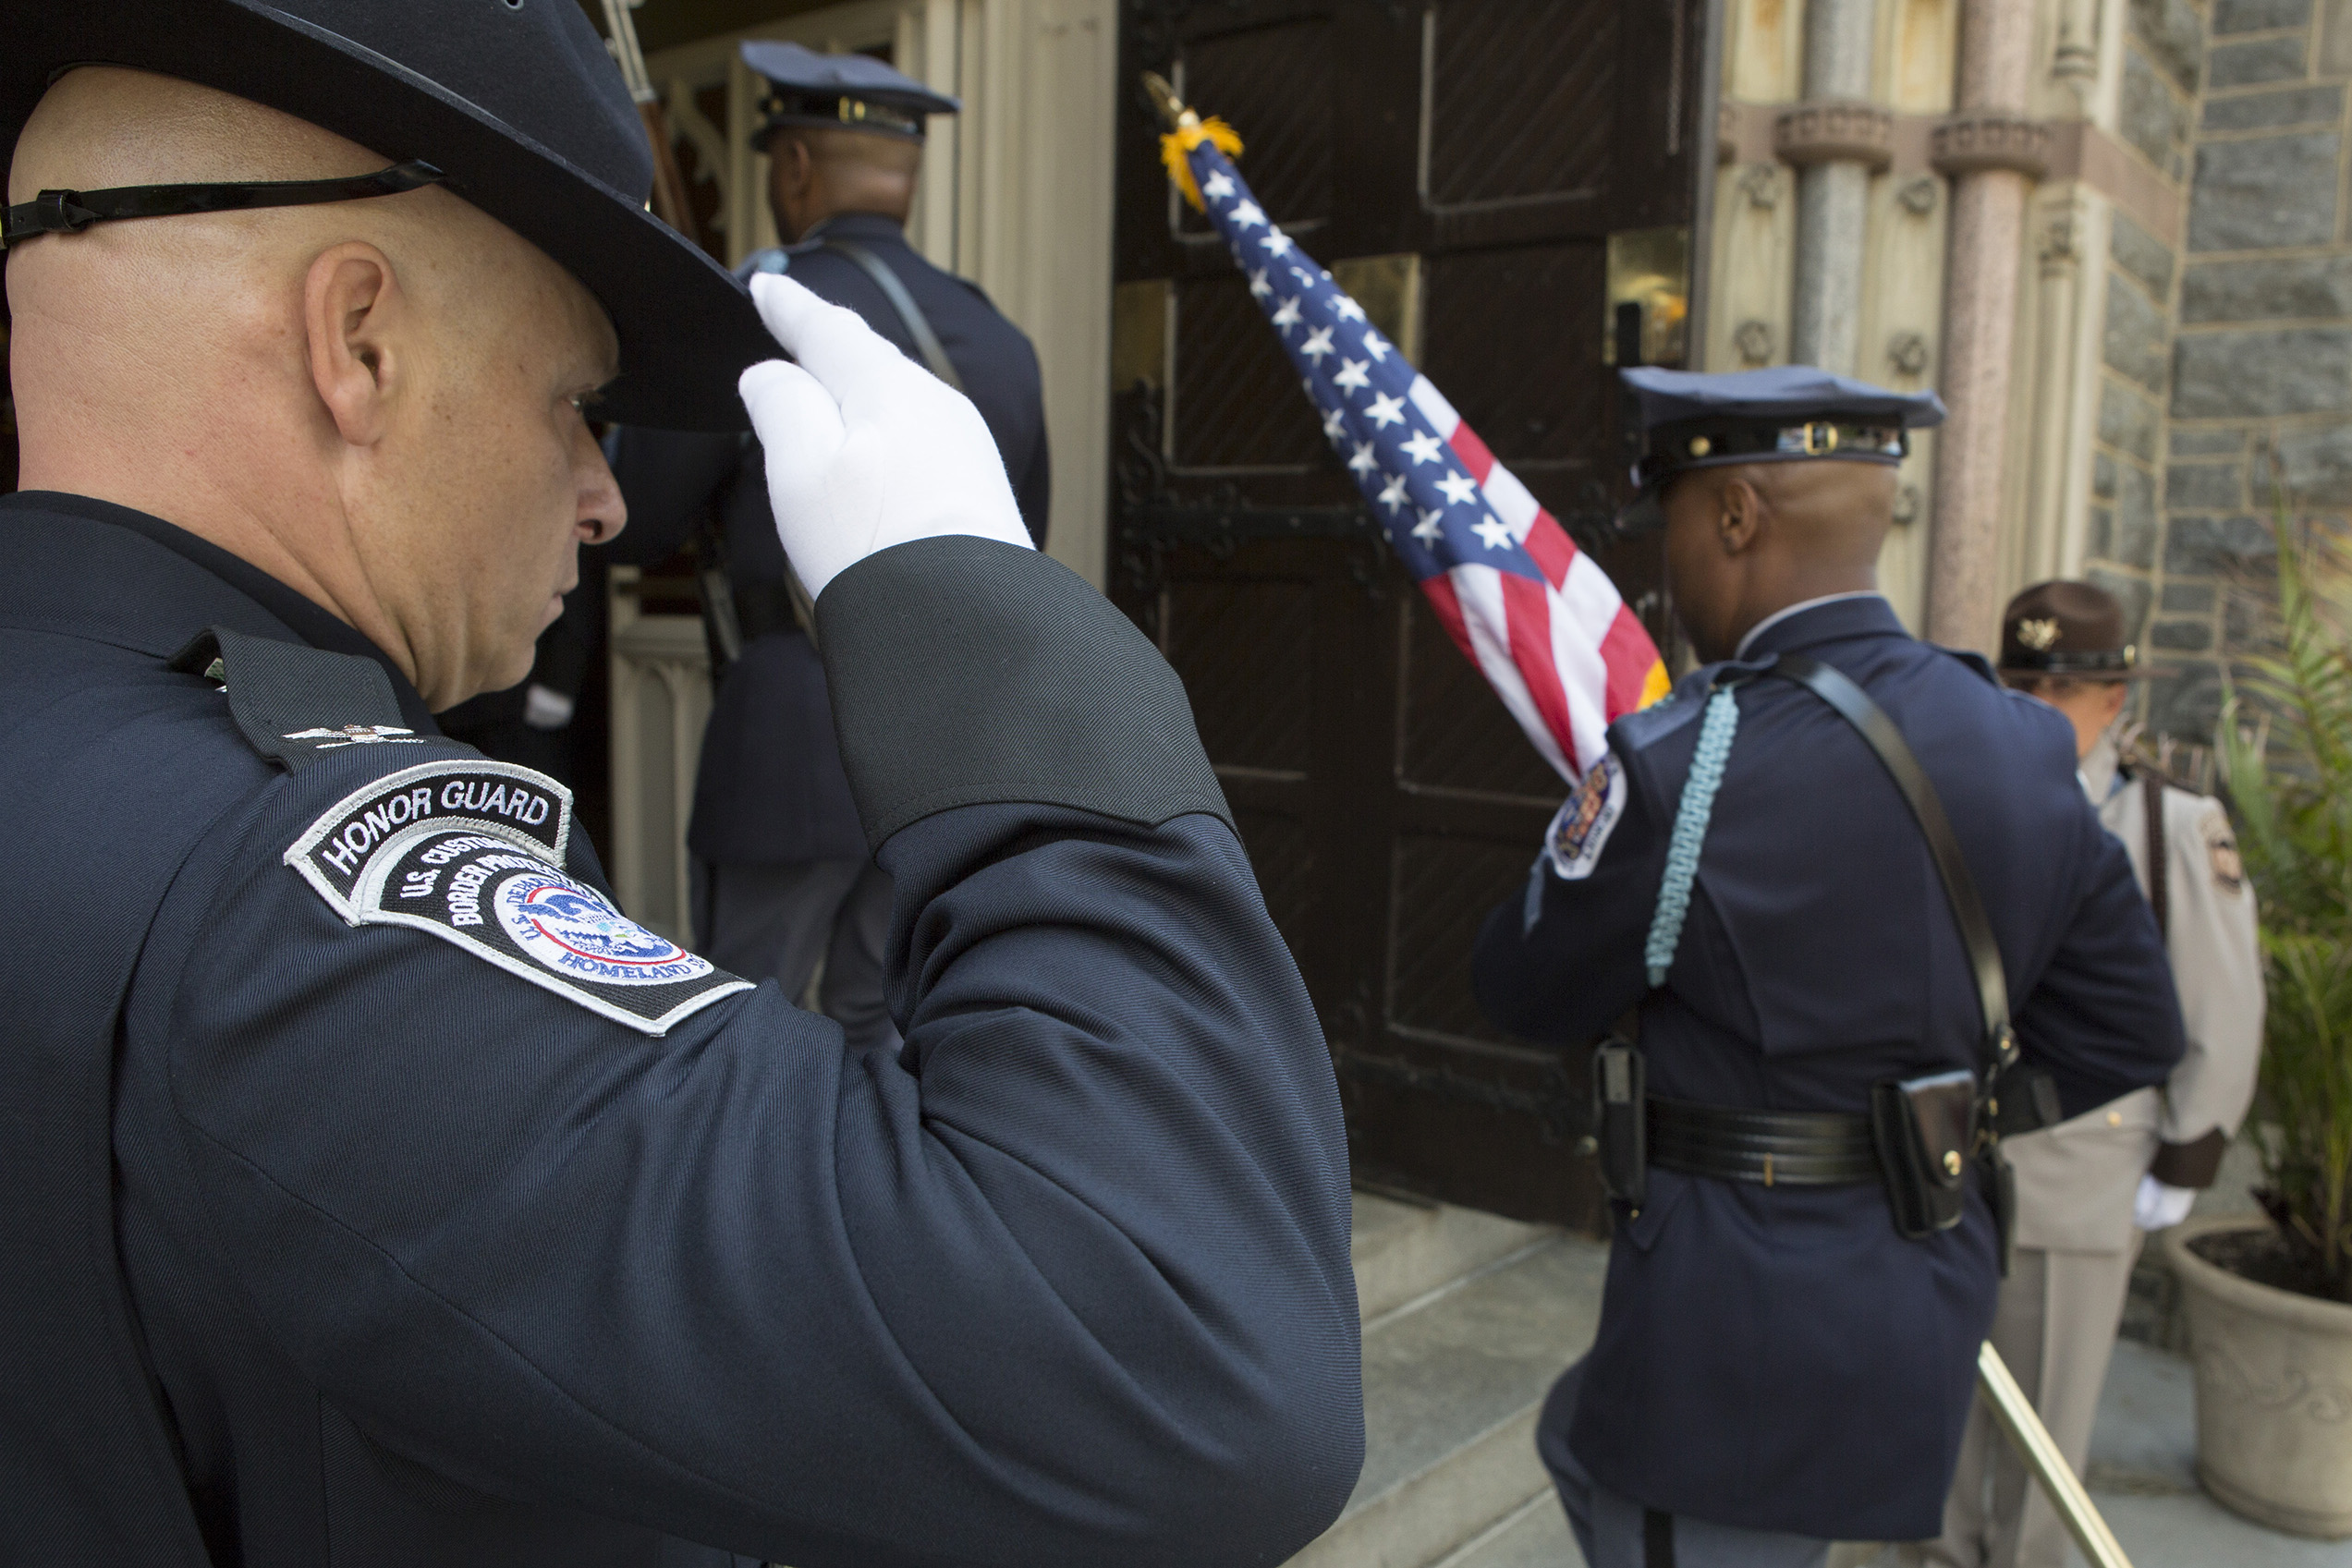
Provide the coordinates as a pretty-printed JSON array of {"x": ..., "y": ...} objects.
[{"x": 1581, "y": 829}]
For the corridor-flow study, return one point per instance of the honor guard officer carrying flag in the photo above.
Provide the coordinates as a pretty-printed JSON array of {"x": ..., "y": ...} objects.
[
  {"x": 1835, "y": 878},
  {"x": 377, "y": 1191},
  {"x": 2088, "y": 1188},
  {"x": 781, "y": 873}
]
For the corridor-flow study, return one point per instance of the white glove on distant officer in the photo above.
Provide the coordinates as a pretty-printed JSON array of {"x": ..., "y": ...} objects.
[
  {"x": 2159, "y": 1208},
  {"x": 865, "y": 448}
]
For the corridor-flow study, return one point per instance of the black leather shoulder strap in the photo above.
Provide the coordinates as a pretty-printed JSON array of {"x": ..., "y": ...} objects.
[
  {"x": 2158, "y": 853},
  {"x": 1855, "y": 706},
  {"x": 918, "y": 324}
]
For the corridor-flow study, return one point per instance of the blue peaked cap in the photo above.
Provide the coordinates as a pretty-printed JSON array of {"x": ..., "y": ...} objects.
[
  {"x": 1786, "y": 414},
  {"x": 1786, "y": 394},
  {"x": 800, "y": 69}
]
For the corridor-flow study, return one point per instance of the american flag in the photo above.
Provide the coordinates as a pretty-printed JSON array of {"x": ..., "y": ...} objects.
[{"x": 1537, "y": 615}]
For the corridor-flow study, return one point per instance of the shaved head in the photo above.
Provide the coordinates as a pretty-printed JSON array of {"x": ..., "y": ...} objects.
[
  {"x": 816, "y": 172},
  {"x": 1747, "y": 540},
  {"x": 377, "y": 402}
]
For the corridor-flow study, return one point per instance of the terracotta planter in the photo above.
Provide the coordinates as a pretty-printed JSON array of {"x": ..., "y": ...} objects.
[{"x": 2274, "y": 1392}]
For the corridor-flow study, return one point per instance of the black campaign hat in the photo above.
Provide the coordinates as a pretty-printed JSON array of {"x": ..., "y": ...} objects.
[
  {"x": 515, "y": 102},
  {"x": 853, "y": 90}
]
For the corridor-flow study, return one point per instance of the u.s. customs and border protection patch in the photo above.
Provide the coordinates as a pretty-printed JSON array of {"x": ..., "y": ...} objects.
[
  {"x": 1581, "y": 829},
  {"x": 473, "y": 851}
]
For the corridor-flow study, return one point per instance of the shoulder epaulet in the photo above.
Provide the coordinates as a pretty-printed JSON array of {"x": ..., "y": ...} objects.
[
  {"x": 1638, "y": 731},
  {"x": 1977, "y": 663},
  {"x": 293, "y": 703}
]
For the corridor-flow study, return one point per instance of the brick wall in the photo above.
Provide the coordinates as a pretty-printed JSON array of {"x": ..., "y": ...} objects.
[
  {"x": 2260, "y": 360},
  {"x": 2163, "y": 64}
]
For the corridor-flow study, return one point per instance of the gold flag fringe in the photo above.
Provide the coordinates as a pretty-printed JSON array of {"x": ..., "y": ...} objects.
[{"x": 1189, "y": 134}]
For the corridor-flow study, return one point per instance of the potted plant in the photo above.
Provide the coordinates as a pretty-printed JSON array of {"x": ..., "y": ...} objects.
[{"x": 2270, "y": 1301}]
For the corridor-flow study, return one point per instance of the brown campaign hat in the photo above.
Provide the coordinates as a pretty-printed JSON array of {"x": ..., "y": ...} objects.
[{"x": 2074, "y": 629}]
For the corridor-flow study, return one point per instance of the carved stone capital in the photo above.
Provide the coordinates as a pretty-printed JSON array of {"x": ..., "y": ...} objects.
[
  {"x": 1990, "y": 139},
  {"x": 1834, "y": 131},
  {"x": 2061, "y": 243}
]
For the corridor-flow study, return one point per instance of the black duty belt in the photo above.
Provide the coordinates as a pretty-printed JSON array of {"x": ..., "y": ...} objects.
[{"x": 1776, "y": 1147}]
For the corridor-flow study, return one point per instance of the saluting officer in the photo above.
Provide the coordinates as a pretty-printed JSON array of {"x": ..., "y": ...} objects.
[
  {"x": 377, "y": 1192},
  {"x": 781, "y": 872},
  {"x": 1829, "y": 913},
  {"x": 2088, "y": 1188}
]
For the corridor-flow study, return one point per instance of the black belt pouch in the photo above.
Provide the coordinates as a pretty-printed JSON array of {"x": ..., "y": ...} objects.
[
  {"x": 1621, "y": 1120},
  {"x": 1922, "y": 1128}
]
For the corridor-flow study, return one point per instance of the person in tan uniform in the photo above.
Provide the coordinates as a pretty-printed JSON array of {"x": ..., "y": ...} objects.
[{"x": 2090, "y": 1188}]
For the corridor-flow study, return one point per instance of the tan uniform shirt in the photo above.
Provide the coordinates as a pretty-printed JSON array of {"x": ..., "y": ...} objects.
[{"x": 2076, "y": 1181}]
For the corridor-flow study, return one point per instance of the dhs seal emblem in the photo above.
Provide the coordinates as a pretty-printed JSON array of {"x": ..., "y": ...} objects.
[
  {"x": 471, "y": 851},
  {"x": 573, "y": 931}
]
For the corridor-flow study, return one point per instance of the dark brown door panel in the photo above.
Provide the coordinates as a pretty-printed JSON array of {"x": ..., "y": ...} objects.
[{"x": 1385, "y": 798}]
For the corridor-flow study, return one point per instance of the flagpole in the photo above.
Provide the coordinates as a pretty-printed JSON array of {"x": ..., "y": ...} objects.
[
  {"x": 1164, "y": 99},
  {"x": 2015, "y": 1414},
  {"x": 668, "y": 201}
]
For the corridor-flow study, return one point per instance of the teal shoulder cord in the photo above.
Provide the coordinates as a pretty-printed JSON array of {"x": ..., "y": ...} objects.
[{"x": 1716, "y": 730}]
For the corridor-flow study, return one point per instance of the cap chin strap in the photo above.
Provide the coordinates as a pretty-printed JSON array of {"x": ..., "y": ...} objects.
[{"x": 70, "y": 211}]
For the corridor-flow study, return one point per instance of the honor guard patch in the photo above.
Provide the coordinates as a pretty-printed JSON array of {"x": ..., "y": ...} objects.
[
  {"x": 471, "y": 850},
  {"x": 1581, "y": 829}
]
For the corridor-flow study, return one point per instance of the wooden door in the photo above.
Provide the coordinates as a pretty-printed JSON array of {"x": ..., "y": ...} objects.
[{"x": 1462, "y": 165}]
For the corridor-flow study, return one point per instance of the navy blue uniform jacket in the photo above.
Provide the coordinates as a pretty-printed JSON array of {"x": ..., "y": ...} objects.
[
  {"x": 1779, "y": 1358},
  {"x": 336, "y": 1244},
  {"x": 770, "y": 789}
]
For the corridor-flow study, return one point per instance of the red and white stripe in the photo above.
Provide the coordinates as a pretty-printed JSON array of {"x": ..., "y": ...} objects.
[{"x": 1535, "y": 641}]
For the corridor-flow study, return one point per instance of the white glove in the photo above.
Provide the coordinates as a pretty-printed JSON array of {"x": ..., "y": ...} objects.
[
  {"x": 2159, "y": 1208},
  {"x": 865, "y": 448}
]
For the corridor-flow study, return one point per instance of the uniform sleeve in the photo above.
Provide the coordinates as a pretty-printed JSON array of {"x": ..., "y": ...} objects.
[
  {"x": 1564, "y": 960},
  {"x": 1065, "y": 1279},
  {"x": 2101, "y": 1016},
  {"x": 668, "y": 478},
  {"x": 2217, "y": 966}
]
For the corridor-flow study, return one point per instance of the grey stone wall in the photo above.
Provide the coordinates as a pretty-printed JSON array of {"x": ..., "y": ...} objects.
[
  {"x": 2260, "y": 394},
  {"x": 2164, "y": 66}
]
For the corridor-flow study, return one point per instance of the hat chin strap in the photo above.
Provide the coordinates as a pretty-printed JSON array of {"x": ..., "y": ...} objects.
[{"x": 70, "y": 211}]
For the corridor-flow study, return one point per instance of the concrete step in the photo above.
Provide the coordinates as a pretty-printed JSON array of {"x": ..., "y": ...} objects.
[
  {"x": 1454, "y": 1377},
  {"x": 1406, "y": 1247},
  {"x": 1534, "y": 1535}
]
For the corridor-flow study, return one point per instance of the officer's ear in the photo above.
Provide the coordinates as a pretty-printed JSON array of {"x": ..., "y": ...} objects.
[
  {"x": 1739, "y": 517},
  {"x": 790, "y": 167},
  {"x": 350, "y": 298}
]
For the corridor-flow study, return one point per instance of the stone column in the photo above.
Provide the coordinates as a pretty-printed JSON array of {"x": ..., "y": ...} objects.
[
  {"x": 1993, "y": 155},
  {"x": 1836, "y": 140}
]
